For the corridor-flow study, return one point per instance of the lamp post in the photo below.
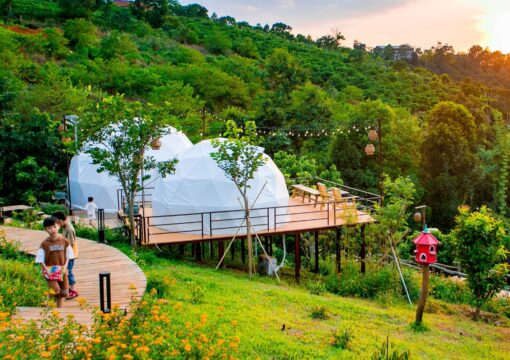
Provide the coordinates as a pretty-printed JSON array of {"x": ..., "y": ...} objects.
[
  {"x": 73, "y": 120},
  {"x": 376, "y": 135}
]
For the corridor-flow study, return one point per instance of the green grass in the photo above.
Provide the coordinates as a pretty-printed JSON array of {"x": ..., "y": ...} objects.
[{"x": 262, "y": 306}]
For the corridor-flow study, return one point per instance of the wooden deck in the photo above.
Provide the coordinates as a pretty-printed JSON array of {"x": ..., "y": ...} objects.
[
  {"x": 302, "y": 217},
  {"x": 93, "y": 259}
]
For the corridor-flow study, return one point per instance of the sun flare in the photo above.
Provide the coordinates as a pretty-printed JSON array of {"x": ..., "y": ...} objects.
[{"x": 495, "y": 28}]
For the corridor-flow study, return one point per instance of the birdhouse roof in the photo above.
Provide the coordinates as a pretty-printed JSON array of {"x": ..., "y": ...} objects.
[{"x": 426, "y": 238}]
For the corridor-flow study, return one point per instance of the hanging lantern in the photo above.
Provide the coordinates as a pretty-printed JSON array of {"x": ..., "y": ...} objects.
[
  {"x": 372, "y": 135},
  {"x": 370, "y": 149},
  {"x": 155, "y": 144},
  {"x": 66, "y": 140},
  {"x": 417, "y": 217}
]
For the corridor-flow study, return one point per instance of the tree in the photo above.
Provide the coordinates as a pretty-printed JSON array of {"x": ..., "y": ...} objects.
[
  {"x": 217, "y": 42},
  {"x": 481, "y": 252},
  {"x": 449, "y": 162},
  {"x": 120, "y": 133},
  {"x": 71, "y": 9},
  {"x": 240, "y": 158}
]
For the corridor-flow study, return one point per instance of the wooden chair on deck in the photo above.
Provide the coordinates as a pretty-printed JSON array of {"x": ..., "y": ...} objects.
[
  {"x": 324, "y": 196},
  {"x": 346, "y": 205}
]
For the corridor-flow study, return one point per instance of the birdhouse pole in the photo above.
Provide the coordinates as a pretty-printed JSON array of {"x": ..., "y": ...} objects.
[
  {"x": 423, "y": 293},
  {"x": 426, "y": 254}
]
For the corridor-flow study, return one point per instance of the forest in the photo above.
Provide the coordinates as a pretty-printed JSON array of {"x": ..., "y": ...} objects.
[{"x": 443, "y": 117}]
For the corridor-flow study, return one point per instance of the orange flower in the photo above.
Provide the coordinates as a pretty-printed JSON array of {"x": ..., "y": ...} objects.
[{"x": 187, "y": 347}]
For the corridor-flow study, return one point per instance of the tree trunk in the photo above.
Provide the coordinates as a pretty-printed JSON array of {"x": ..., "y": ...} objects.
[
  {"x": 423, "y": 294},
  {"x": 250, "y": 244},
  {"x": 131, "y": 215}
]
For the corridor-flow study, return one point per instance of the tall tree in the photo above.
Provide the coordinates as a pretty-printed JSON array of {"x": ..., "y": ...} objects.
[
  {"x": 449, "y": 161},
  {"x": 120, "y": 132},
  {"x": 240, "y": 158}
]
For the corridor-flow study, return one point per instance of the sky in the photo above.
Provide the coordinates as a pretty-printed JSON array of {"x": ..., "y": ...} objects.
[{"x": 421, "y": 23}]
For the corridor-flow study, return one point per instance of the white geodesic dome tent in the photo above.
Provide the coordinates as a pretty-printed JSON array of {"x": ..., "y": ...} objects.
[
  {"x": 85, "y": 181},
  {"x": 200, "y": 186}
]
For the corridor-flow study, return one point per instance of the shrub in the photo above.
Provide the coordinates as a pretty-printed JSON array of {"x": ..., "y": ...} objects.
[
  {"x": 316, "y": 287},
  {"x": 319, "y": 312},
  {"x": 341, "y": 339},
  {"x": 50, "y": 209},
  {"x": 153, "y": 332},
  {"x": 387, "y": 351}
]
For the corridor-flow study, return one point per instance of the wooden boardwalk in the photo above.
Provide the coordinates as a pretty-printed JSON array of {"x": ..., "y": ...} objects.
[
  {"x": 301, "y": 217},
  {"x": 93, "y": 259}
]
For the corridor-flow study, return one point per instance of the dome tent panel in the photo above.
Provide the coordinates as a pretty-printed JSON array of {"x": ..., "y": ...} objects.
[
  {"x": 85, "y": 181},
  {"x": 200, "y": 186}
]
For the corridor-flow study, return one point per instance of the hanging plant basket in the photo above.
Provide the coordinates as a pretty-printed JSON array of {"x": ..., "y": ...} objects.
[{"x": 156, "y": 144}]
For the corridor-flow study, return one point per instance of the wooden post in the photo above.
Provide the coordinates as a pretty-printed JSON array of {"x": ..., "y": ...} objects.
[
  {"x": 221, "y": 251},
  {"x": 211, "y": 248},
  {"x": 266, "y": 244},
  {"x": 423, "y": 294},
  {"x": 362, "y": 254},
  {"x": 243, "y": 251},
  {"x": 193, "y": 248},
  {"x": 338, "y": 249},
  {"x": 297, "y": 256},
  {"x": 316, "y": 239},
  {"x": 198, "y": 251},
  {"x": 271, "y": 245},
  {"x": 233, "y": 251},
  {"x": 181, "y": 250}
]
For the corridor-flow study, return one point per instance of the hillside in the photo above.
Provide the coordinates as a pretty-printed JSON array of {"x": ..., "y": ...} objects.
[{"x": 314, "y": 98}]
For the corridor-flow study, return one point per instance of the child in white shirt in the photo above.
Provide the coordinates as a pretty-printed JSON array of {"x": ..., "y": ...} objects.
[{"x": 91, "y": 210}]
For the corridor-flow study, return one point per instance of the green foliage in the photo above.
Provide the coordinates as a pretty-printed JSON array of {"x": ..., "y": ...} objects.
[
  {"x": 82, "y": 34},
  {"x": 122, "y": 133},
  {"x": 294, "y": 167},
  {"x": 30, "y": 9},
  {"x": 217, "y": 42},
  {"x": 341, "y": 339},
  {"x": 319, "y": 312},
  {"x": 71, "y": 9},
  {"x": 387, "y": 351},
  {"x": 449, "y": 163},
  {"x": 480, "y": 251},
  {"x": 375, "y": 283}
]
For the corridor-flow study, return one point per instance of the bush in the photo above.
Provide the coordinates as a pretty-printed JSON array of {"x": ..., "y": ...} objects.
[
  {"x": 387, "y": 351},
  {"x": 319, "y": 312},
  {"x": 341, "y": 339},
  {"x": 35, "y": 9},
  {"x": 153, "y": 332},
  {"x": 50, "y": 209},
  {"x": 455, "y": 292},
  {"x": 380, "y": 283}
]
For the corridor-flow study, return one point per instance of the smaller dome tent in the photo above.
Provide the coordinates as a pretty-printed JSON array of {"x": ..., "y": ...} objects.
[
  {"x": 199, "y": 186},
  {"x": 85, "y": 181}
]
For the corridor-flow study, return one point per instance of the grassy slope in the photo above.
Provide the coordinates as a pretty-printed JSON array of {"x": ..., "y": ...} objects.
[{"x": 262, "y": 306}]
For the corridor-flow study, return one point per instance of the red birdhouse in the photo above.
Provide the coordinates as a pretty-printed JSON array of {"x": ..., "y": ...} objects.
[{"x": 426, "y": 248}]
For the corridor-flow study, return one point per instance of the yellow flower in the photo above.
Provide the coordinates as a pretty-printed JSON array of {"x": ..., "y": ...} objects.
[
  {"x": 234, "y": 322},
  {"x": 128, "y": 357},
  {"x": 45, "y": 354},
  {"x": 187, "y": 347}
]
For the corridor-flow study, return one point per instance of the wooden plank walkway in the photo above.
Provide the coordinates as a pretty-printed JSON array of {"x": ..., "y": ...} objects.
[{"x": 94, "y": 258}]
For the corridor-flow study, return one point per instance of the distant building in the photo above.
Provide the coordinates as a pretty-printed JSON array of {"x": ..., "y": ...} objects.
[
  {"x": 123, "y": 3},
  {"x": 396, "y": 52}
]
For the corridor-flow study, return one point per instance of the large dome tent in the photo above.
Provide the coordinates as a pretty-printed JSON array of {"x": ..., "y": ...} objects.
[
  {"x": 199, "y": 185},
  {"x": 85, "y": 181}
]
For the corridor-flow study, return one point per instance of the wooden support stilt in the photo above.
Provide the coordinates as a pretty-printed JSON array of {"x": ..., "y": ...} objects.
[
  {"x": 211, "y": 248},
  {"x": 297, "y": 256},
  {"x": 198, "y": 251},
  {"x": 316, "y": 243},
  {"x": 193, "y": 248},
  {"x": 266, "y": 243},
  {"x": 243, "y": 251},
  {"x": 338, "y": 243},
  {"x": 181, "y": 250},
  {"x": 233, "y": 251},
  {"x": 363, "y": 250},
  {"x": 271, "y": 246},
  {"x": 221, "y": 252}
]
